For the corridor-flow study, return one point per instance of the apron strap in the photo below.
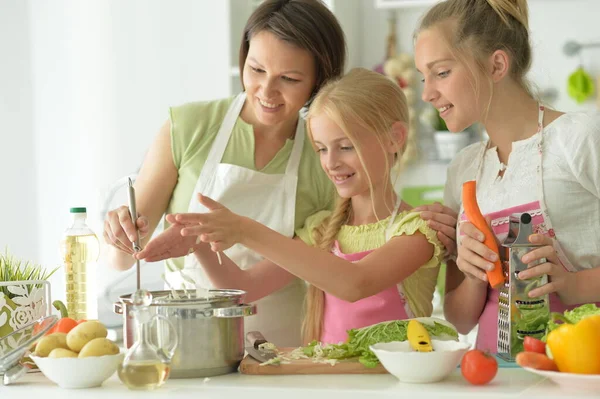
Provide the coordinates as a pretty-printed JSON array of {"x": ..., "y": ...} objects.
[
  {"x": 562, "y": 257},
  {"x": 220, "y": 144},
  {"x": 294, "y": 160}
]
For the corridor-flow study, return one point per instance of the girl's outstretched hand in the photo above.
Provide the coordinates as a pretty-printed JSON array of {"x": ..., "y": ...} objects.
[
  {"x": 169, "y": 244},
  {"x": 220, "y": 227},
  {"x": 560, "y": 280}
]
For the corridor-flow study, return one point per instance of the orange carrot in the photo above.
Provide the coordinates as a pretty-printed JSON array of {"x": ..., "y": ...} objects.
[
  {"x": 469, "y": 197},
  {"x": 535, "y": 360}
]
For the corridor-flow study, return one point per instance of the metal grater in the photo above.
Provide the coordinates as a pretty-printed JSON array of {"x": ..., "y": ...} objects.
[{"x": 519, "y": 315}]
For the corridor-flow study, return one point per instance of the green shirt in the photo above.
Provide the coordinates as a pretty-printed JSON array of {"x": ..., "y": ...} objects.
[
  {"x": 419, "y": 286},
  {"x": 194, "y": 127}
]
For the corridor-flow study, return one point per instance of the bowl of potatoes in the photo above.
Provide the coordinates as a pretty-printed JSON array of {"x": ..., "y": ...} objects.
[{"x": 81, "y": 358}]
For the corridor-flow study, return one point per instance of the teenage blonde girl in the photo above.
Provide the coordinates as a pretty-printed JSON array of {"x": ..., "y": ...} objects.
[
  {"x": 474, "y": 55},
  {"x": 371, "y": 259}
]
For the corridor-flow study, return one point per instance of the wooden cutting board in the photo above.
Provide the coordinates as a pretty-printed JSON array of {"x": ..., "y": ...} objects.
[{"x": 249, "y": 365}]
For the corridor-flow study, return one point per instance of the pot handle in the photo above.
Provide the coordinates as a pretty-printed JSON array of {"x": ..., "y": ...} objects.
[
  {"x": 228, "y": 313},
  {"x": 118, "y": 308}
]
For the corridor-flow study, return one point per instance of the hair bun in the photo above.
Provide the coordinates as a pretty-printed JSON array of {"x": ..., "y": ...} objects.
[{"x": 517, "y": 9}]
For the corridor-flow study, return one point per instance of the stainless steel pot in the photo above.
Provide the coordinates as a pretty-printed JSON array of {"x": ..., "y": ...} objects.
[{"x": 210, "y": 330}]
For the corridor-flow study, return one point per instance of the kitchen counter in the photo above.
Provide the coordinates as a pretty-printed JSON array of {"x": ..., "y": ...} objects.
[{"x": 509, "y": 383}]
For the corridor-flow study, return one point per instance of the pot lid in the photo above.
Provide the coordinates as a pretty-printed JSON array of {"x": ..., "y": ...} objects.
[{"x": 192, "y": 297}]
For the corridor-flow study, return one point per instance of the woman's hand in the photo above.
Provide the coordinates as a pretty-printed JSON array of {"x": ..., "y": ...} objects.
[
  {"x": 119, "y": 230},
  {"x": 443, "y": 220},
  {"x": 560, "y": 280},
  {"x": 220, "y": 227},
  {"x": 474, "y": 257},
  {"x": 169, "y": 244}
]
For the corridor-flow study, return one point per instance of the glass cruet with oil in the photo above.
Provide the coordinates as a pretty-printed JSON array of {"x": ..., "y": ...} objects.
[{"x": 147, "y": 362}]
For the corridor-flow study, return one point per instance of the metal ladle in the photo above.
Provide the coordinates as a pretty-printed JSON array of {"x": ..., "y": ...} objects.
[{"x": 133, "y": 213}]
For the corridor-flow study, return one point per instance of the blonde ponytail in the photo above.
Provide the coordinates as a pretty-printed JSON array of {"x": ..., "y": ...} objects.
[
  {"x": 323, "y": 236},
  {"x": 515, "y": 8}
]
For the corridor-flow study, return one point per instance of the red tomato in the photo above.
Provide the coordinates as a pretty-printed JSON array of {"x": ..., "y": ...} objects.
[
  {"x": 478, "y": 367},
  {"x": 531, "y": 344}
]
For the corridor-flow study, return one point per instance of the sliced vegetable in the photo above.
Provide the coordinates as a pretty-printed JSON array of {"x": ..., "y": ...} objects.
[
  {"x": 535, "y": 360},
  {"x": 576, "y": 347}
]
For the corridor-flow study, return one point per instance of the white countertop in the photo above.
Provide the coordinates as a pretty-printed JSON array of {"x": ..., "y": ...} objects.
[{"x": 509, "y": 383}]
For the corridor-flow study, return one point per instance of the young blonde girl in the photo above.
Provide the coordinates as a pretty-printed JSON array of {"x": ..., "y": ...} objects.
[
  {"x": 474, "y": 55},
  {"x": 386, "y": 258}
]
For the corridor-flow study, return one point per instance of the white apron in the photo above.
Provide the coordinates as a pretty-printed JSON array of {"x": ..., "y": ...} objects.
[{"x": 267, "y": 198}]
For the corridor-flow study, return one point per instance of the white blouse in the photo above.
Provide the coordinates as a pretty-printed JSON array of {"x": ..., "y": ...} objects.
[{"x": 571, "y": 180}]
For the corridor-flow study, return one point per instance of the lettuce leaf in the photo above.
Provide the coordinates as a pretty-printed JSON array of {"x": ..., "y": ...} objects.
[
  {"x": 575, "y": 315},
  {"x": 360, "y": 339}
]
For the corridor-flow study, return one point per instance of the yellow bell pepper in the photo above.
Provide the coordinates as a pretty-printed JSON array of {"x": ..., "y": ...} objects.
[{"x": 576, "y": 347}]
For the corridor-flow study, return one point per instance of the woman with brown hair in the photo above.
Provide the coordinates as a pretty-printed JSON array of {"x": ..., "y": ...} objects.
[{"x": 248, "y": 152}]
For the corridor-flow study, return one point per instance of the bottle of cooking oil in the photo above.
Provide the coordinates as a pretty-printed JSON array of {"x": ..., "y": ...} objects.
[
  {"x": 147, "y": 362},
  {"x": 80, "y": 250}
]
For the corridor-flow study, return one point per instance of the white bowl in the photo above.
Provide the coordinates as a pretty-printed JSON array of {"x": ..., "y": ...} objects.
[
  {"x": 74, "y": 372},
  {"x": 420, "y": 367},
  {"x": 571, "y": 382}
]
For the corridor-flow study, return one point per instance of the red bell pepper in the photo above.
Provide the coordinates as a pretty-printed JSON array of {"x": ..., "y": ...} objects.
[{"x": 65, "y": 324}]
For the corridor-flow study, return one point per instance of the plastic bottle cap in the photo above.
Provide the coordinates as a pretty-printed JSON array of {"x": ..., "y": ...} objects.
[{"x": 78, "y": 210}]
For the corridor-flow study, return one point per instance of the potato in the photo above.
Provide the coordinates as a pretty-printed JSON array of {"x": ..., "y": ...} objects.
[
  {"x": 84, "y": 333},
  {"x": 99, "y": 347},
  {"x": 51, "y": 342},
  {"x": 61, "y": 352}
]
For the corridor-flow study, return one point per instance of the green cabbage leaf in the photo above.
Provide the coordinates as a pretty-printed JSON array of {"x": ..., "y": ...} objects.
[{"x": 360, "y": 339}]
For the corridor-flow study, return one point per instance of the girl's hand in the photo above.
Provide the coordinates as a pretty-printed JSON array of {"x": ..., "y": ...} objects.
[
  {"x": 169, "y": 244},
  {"x": 119, "y": 230},
  {"x": 474, "y": 257},
  {"x": 443, "y": 220},
  {"x": 560, "y": 280},
  {"x": 220, "y": 227}
]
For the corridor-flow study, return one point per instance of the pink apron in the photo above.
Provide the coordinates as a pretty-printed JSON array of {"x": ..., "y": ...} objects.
[
  {"x": 340, "y": 316},
  {"x": 487, "y": 336}
]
